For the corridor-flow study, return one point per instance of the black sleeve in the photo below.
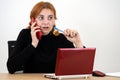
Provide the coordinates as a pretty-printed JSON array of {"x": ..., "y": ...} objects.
[
  {"x": 64, "y": 43},
  {"x": 21, "y": 53}
]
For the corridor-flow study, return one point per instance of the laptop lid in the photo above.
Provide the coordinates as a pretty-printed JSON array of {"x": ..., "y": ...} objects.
[{"x": 74, "y": 61}]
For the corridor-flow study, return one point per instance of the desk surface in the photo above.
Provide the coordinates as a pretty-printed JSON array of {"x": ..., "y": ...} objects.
[{"x": 6, "y": 76}]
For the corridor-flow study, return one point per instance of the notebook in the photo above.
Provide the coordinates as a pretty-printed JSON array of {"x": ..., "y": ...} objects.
[{"x": 74, "y": 61}]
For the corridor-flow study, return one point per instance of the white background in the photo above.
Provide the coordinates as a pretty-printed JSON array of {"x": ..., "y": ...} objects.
[{"x": 97, "y": 21}]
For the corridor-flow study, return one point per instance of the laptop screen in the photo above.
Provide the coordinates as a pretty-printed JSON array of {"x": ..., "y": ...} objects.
[{"x": 74, "y": 61}]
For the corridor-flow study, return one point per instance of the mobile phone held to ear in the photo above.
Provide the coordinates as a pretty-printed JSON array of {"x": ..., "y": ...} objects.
[{"x": 38, "y": 34}]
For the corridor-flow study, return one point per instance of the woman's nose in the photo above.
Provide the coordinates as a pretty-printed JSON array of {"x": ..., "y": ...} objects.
[{"x": 46, "y": 21}]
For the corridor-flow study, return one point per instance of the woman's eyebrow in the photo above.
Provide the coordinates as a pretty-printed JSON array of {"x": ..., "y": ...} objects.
[
  {"x": 50, "y": 15},
  {"x": 41, "y": 15}
]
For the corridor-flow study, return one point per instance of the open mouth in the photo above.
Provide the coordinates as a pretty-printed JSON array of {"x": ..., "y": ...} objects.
[{"x": 44, "y": 28}]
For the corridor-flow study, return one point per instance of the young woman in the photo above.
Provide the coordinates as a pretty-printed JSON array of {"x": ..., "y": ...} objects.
[{"x": 38, "y": 55}]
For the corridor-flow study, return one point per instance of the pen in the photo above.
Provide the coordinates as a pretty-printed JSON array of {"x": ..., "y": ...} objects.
[{"x": 58, "y": 29}]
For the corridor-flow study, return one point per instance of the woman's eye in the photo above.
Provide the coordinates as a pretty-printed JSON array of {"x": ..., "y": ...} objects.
[
  {"x": 41, "y": 18},
  {"x": 50, "y": 18}
]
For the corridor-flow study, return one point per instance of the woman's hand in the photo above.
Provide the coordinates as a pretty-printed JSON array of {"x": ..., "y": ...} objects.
[
  {"x": 74, "y": 37},
  {"x": 34, "y": 30}
]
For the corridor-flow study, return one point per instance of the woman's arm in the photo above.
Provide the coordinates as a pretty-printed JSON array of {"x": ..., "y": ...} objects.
[{"x": 21, "y": 52}]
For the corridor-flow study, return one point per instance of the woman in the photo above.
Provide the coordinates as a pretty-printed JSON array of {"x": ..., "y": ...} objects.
[{"x": 36, "y": 55}]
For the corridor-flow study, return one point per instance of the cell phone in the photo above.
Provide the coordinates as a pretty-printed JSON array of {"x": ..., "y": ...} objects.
[{"x": 38, "y": 34}]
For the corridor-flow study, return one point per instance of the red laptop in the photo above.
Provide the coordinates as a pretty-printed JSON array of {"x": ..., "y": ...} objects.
[{"x": 74, "y": 61}]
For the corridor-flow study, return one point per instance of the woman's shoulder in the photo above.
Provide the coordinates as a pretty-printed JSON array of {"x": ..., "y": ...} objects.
[
  {"x": 61, "y": 36},
  {"x": 25, "y": 30},
  {"x": 24, "y": 33}
]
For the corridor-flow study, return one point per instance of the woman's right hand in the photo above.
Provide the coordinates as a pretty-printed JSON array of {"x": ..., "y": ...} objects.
[{"x": 34, "y": 30}]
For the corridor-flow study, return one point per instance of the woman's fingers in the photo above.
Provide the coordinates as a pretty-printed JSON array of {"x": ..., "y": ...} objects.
[
  {"x": 70, "y": 33},
  {"x": 33, "y": 25}
]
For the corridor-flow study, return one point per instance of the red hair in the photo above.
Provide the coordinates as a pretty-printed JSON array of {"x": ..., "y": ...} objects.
[{"x": 39, "y": 7}]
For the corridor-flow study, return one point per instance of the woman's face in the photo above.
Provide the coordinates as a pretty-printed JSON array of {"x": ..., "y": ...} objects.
[{"x": 46, "y": 21}]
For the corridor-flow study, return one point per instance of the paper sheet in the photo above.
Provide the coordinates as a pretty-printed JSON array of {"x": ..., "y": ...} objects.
[{"x": 114, "y": 74}]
